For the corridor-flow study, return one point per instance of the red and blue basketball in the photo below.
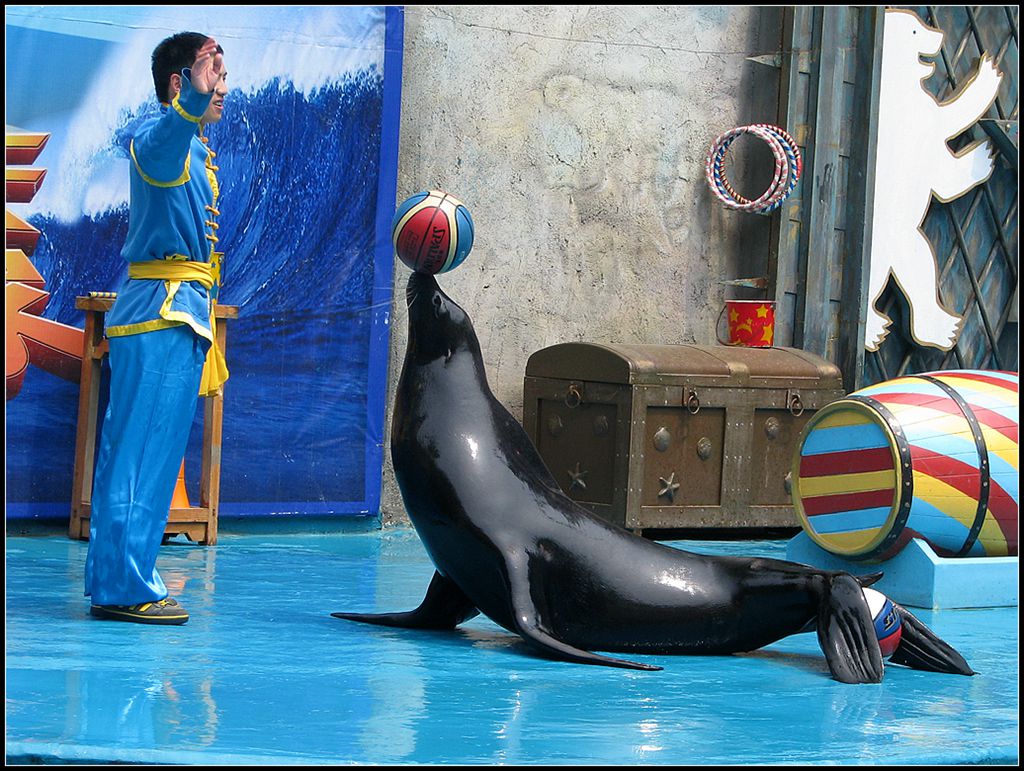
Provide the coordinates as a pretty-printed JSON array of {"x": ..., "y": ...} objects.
[
  {"x": 886, "y": 620},
  {"x": 432, "y": 232}
]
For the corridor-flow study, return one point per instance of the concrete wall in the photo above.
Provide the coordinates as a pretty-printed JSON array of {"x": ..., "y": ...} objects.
[{"x": 576, "y": 136}]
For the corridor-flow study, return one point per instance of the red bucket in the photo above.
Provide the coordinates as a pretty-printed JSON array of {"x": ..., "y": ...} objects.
[{"x": 751, "y": 323}]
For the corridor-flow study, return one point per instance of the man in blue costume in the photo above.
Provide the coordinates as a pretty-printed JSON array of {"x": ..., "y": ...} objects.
[{"x": 161, "y": 334}]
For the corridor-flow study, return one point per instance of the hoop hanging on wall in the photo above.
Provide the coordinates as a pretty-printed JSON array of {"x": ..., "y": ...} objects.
[{"x": 788, "y": 166}]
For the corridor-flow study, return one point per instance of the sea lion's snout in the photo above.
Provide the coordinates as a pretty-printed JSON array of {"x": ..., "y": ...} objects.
[
  {"x": 421, "y": 285},
  {"x": 438, "y": 327},
  {"x": 436, "y": 324},
  {"x": 424, "y": 297}
]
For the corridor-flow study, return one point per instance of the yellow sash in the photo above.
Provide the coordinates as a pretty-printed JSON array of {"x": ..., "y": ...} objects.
[{"x": 215, "y": 370}]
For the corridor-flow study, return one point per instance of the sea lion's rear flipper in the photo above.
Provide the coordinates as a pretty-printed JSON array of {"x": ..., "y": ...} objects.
[
  {"x": 921, "y": 648},
  {"x": 846, "y": 634},
  {"x": 445, "y": 606},
  {"x": 869, "y": 578}
]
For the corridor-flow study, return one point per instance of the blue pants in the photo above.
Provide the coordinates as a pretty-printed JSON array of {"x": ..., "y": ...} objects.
[{"x": 154, "y": 387}]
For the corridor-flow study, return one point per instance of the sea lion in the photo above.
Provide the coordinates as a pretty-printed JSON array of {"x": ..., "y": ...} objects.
[{"x": 506, "y": 542}]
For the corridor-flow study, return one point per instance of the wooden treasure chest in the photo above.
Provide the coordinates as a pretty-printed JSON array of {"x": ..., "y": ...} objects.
[{"x": 675, "y": 436}]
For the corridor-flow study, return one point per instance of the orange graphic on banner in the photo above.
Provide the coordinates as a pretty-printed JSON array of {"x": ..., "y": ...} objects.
[
  {"x": 30, "y": 339},
  {"x": 19, "y": 267},
  {"x": 20, "y": 235},
  {"x": 23, "y": 149},
  {"x": 22, "y": 184}
]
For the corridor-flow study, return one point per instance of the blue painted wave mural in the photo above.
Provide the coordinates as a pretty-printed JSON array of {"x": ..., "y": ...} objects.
[{"x": 307, "y": 172}]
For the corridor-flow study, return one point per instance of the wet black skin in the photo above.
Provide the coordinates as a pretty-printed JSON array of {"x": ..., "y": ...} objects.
[{"x": 506, "y": 542}]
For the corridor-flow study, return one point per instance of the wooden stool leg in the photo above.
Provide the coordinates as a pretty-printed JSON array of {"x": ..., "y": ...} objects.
[
  {"x": 213, "y": 417},
  {"x": 88, "y": 420}
]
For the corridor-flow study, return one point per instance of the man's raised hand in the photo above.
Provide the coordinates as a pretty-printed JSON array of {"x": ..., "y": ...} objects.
[{"x": 208, "y": 67}]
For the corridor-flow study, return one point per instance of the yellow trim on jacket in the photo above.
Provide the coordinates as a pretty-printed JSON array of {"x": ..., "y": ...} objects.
[
  {"x": 182, "y": 112},
  {"x": 185, "y": 176}
]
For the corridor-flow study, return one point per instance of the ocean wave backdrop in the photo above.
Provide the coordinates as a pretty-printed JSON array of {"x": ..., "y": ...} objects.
[{"x": 306, "y": 171}]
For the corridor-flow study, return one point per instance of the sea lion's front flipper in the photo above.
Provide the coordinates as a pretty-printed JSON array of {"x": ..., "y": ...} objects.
[
  {"x": 846, "y": 634},
  {"x": 564, "y": 652},
  {"x": 921, "y": 648},
  {"x": 445, "y": 606},
  {"x": 529, "y": 623}
]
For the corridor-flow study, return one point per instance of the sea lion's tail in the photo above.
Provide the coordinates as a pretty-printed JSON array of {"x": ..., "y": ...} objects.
[
  {"x": 846, "y": 633},
  {"x": 921, "y": 648}
]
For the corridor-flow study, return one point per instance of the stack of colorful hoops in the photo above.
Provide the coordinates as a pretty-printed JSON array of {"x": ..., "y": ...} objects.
[{"x": 788, "y": 166}]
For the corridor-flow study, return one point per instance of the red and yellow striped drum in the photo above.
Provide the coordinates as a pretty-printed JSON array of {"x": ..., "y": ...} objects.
[{"x": 931, "y": 456}]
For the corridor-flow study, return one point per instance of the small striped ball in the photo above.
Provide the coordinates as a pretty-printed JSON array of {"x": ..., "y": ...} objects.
[
  {"x": 432, "y": 232},
  {"x": 886, "y": 620}
]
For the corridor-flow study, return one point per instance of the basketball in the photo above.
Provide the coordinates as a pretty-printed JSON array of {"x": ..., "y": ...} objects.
[
  {"x": 886, "y": 620},
  {"x": 432, "y": 232}
]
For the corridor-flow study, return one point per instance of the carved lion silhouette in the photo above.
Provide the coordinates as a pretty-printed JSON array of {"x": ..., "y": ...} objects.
[{"x": 913, "y": 164}]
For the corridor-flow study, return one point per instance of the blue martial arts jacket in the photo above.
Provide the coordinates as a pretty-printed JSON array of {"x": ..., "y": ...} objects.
[{"x": 173, "y": 217}]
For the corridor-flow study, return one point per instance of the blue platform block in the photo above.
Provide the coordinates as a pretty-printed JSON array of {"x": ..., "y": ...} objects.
[{"x": 918, "y": 577}]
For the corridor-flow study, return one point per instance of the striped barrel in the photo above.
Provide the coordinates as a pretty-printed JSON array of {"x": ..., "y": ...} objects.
[{"x": 931, "y": 456}]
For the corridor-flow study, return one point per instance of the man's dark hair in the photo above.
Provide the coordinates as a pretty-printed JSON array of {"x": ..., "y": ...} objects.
[{"x": 172, "y": 55}]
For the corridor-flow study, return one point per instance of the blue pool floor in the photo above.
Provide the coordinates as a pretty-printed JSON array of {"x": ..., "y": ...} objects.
[{"x": 263, "y": 675}]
